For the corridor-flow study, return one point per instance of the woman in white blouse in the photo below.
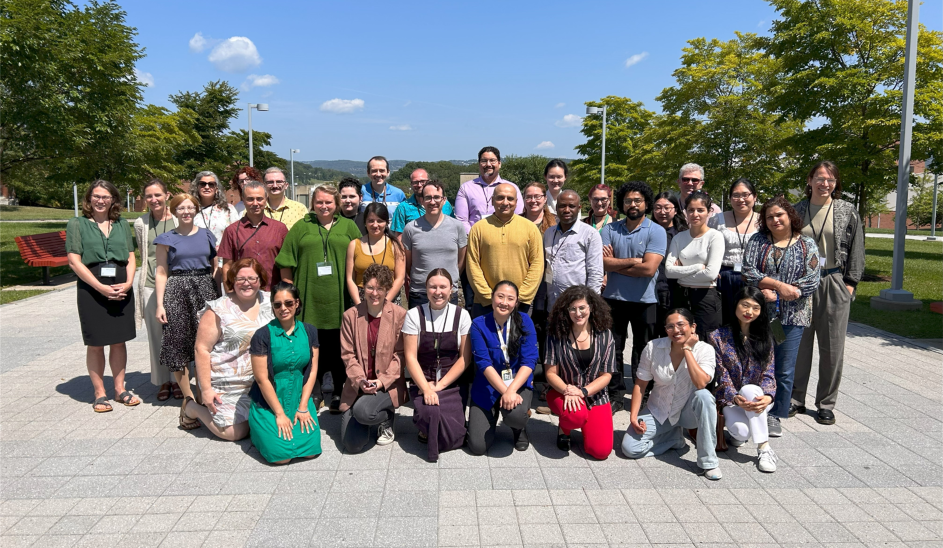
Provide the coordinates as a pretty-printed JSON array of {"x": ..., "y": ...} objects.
[
  {"x": 737, "y": 226},
  {"x": 681, "y": 367},
  {"x": 694, "y": 259}
]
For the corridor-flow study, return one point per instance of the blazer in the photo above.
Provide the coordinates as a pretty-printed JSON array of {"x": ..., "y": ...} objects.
[
  {"x": 389, "y": 352},
  {"x": 849, "y": 239}
]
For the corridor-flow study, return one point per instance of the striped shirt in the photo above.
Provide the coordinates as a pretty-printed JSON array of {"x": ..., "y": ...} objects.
[{"x": 564, "y": 356}]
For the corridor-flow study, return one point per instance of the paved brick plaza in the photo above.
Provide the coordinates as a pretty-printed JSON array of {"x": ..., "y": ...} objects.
[{"x": 131, "y": 477}]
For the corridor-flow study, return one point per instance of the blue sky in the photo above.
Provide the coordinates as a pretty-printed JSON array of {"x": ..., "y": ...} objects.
[{"x": 429, "y": 80}]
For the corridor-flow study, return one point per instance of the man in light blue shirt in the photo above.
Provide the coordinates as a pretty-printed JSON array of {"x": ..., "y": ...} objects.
[
  {"x": 572, "y": 250},
  {"x": 377, "y": 190},
  {"x": 633, "y": 248}
]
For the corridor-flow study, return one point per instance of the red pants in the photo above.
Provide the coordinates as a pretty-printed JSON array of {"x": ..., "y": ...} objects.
[{"x": 596, "y": 424}]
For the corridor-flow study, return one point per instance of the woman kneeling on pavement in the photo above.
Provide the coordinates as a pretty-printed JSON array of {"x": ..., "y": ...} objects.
[
  {"x": 747, "y": 386},
  {"x": 681, "y": 366},
  {"x": 282, "y": 419},
  {"x": 437, "y": 353},
  {"x": 372, "y": 351},
  {"x": 581, "y": 359}
]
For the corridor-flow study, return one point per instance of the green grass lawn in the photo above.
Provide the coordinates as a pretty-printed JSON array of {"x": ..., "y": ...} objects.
[
  {"x": 910, "y": 231},
  {"x": 923, "y": 276},
  {"x": 13, "y": 271},
  {"x": 10, "y": 296},
  {"x": 29, "y": 213}
]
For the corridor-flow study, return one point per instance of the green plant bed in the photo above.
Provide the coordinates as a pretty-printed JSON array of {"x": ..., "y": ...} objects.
[
  {"x": 29, "y": 213},
  {"x": 923, "y": 276},
  {"x": 12, "y": 296}
]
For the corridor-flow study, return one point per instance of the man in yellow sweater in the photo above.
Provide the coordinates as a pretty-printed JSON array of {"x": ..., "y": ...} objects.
[{"x": 504, "y": 246}]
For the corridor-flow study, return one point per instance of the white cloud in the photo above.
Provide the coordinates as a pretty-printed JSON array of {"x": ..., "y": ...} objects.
[
  {"x": 570, "y": 120},
  {"x": 407, "y": 103},
  {"x": 402, "y": 127},
  {"x": 235, "y": 54},
  {"x": 635, "y": 59},
  {"x": 760, "y": 24},
  {"x": 198, "y": 43},
  {"x": 559, "y": 105},
  {"x": 342, "y": 106},
  {"x": 256, "y": 81},
  {"x": 145, "y": 78},
  {"x": 544, "y": 145}
]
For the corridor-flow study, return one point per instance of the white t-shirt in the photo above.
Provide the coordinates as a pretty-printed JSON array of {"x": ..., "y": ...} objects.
[{"x": 439, "y": 321}]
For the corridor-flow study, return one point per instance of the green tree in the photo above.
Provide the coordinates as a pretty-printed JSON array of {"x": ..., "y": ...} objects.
[
  {"x": 840, "y": 62},
  {"x": 920, "y": 210},
  {"x": 525, "y": 169},
  {"x": 446, "y": 172},
  {"x": 238, "y": 142},
  {"x": 626, "y": 122},
  {"x": 156, "y": 135},
  {"x": 661, "y": 150},
  {"x": 214, "y": 108}
]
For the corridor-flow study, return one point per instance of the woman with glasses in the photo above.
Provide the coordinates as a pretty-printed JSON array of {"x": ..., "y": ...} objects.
[
  {"x": 100, "y": 246},
  {"x": 737, "y": 226},
  {"x": 245, "y": 173},
  {"x": 378, "y": 246},
  {"x": 681, "y": 366},
  {"x": 283, "y": 419},
  {"x": 223, "y": 368},
  {"x": 694, "y": 259},
  {"x": 668, "y": 214},
  {"x": 183, "y": 283},
  {"x": 601, "y": 212}
]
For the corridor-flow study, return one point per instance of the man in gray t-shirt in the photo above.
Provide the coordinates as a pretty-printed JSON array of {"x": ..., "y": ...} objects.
[{"x": 432, "y": 241}]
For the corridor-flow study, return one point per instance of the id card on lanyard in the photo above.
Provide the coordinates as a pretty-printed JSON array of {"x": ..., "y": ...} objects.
[
  {"x": 325, "y": 268},
  {"x": 506, "y": 374},
  {"x": 108, "y": 268}
]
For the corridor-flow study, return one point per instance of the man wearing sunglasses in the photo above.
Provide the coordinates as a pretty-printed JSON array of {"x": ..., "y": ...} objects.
[
  {"x": 690, "y": 179},
  {"x": 279, "y": 207}
]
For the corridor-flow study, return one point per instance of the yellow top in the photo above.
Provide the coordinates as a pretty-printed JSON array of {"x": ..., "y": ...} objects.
[
  {"x": 362, "y": 260},
  {"x": 290, "y": 212},
  {"x": 504, "y": 251}
]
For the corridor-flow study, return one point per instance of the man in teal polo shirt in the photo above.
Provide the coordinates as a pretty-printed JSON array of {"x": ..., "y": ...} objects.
[{"x": 412, "y": 209}]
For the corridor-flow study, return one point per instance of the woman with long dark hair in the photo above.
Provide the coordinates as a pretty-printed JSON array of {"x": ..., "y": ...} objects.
[
  {"x": 669, "y": 215},
  {"x": 504, "y": 345},
  {"x": 737, "y": 226},
  {"x": 377, "y": 246},
  {"x": 747, "y": 386}
]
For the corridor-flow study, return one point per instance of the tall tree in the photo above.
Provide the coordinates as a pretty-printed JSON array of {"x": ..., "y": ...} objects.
[
  {"x": 840, "y": 65},
  {"x": 214, "y": 107}
]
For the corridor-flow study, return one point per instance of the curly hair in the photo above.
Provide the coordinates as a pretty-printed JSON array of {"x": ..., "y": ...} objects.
[
  {"x": 381, "y": 273},
  {"x": 252, "y": 174},
  {"x": 246, "y": 262},
  {"x": 634, "y": 186},
  {"x": 795, "y": 222},
  {"x": 599, "y": 315},
  {"x": 114, "y": 212}
]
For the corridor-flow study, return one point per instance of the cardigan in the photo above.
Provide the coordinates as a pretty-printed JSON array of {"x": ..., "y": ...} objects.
[
  {"x": 849, "y": 239},
  {"x": 141, "y": 228},
  {"x": 486, "y": 351},
  {"x": 355, "y": 352}
]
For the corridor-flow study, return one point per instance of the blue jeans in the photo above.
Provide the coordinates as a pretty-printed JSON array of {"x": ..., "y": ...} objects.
[
  {"x": 785, "y": 356},
  {"x": 699, "y": 412}
]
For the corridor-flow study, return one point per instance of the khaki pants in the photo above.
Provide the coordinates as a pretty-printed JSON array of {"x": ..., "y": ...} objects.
[{"x": 159, "y": 373}]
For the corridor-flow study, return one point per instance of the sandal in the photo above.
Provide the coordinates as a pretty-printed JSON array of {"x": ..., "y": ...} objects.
[
  {"x": 128, "y": 399},
  {"x": 178, "y": 394},
  {"x": 186, "y": 422},
  {"x": 164, "y": 393},
  {"x": 102, "y": 401}
]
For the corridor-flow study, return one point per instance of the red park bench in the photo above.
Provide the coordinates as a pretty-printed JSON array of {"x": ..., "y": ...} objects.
[{"x": 45, "y": 250}]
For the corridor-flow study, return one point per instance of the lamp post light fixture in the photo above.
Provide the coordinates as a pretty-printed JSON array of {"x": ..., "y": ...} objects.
[
  {"x": 602, "y": 168},
  {"x": 292, "y": 156},
  {"x": 261, "y": 107}
]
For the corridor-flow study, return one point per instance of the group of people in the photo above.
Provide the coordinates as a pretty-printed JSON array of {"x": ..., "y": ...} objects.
[{"x": 355, "y": 306}]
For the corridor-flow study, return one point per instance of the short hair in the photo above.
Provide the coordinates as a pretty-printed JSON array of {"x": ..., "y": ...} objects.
[
  {"x": 560, "y": 323},
  {"x": 569, "y": 191},
  {"x": 183, "y": 197},
  {"x": 377, "y": 159},
  {"x": 379, "y": 272},
  {"x": 114, "y": 212},
  {"x": 273, "y": 169},
  {"x": 699, "y": 195},
  {"x": 290, "y": 288},
  {"x": 254, "y": 183},
  {"x": 832, "y": 170},
  {"x": 634, "y": 186},
  {"x": 350, "y": 182},
  {"x": 251, "y": 173},
  {"x": 152, "y": 182},
  {"x": 493, "y": 150},
  {"x": 439, "y": 272},
  {"x": 326, "y": 188},
  {"x": 246, "y": 262},
  {"x": 434, "y": 183},
  {"x": 689, "y": 167},
  {"x": 415, "y": 170},
  {"x": 745, "y": 182},
  {"x": 556, "y": 162},
  {"x": 795, "y": 222},
  {"x": 220, "y": 199}
]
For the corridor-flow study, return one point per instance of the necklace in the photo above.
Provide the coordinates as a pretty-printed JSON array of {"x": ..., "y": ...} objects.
[{"x": 577, "y": 339}]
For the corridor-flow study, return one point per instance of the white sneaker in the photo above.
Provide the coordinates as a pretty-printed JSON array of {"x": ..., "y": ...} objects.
[
  {"x": 385, "y": 433},
  {"x": 713, "y": 474},
  {"x": 767, "y": 460}
]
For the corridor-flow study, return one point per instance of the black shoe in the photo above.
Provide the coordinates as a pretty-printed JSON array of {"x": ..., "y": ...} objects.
[
  {"x": 825, "y": 416},
  {"x": 563, "y": 442},
  {"x": 327, "y": 383},
  {"x": 521, "y": 443},
  {"x": 335, "y": 405},
  {"x": 423, "y": 438},
  {"x": 796, "y": 410}
]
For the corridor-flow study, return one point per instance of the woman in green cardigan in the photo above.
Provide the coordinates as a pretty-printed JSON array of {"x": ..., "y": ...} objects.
[{"x": 313, "y": 257}]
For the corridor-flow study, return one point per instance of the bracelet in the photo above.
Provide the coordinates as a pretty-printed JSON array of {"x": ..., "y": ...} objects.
[
  {"x": 688, "y": 348},
  {"x": 304, "y": 412}
]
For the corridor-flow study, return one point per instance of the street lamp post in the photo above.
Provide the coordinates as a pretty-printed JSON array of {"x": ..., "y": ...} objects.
[
  {"x": 602, "y": 169},
  {"x": 292, "y": 156},
  {"x": 261, "y": 107},
  {"x": 936, "y": 186}
]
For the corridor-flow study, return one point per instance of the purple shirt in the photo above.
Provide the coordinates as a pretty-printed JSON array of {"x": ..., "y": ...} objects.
[{"x": 473, "y": 201}]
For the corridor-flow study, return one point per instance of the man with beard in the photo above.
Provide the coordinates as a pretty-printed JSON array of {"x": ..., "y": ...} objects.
[
  {"x": 572, "y": 250},
  {"x": 632, "y": 251},
  {"x": 279, "y": 207},
  {"x": 349, "y": 189}
]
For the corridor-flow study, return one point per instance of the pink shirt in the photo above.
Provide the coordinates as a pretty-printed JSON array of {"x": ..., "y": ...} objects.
[{"x": 473, "y": 201}]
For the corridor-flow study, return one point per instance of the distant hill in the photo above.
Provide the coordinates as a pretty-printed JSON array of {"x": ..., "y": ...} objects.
[{"x": 359, "y": 169}]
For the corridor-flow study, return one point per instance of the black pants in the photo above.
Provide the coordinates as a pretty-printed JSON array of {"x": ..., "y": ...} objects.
[
  {"x": 482, "y": 422},
  {"x": 329, "y": 358},
  {"x": 642, "y": 317},
  {"x": 704, "y": 303}
]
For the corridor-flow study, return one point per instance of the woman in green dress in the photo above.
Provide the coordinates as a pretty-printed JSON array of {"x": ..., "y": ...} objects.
[
  {"x": 283, "y": 423},
  {"x": 314, "y": 257}
]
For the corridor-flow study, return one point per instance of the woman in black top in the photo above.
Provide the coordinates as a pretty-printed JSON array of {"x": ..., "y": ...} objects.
[{"x": 668, "y": 214}]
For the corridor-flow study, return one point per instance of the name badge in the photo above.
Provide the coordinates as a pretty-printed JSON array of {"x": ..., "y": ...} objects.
[
  {"x": 548, "y": 272},
  {"x": 507, "y": 377},
  {"x": 109, "y": 270},
  {"x": 738, "y": 267},
  {"x": 438, "y": 375},
  {"x": 325, "y": 269}
]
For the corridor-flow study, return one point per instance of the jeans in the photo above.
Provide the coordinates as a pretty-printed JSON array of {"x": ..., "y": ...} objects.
[
  {"x": 699, "y": 412},
  {"x": 785, "y": 355}
]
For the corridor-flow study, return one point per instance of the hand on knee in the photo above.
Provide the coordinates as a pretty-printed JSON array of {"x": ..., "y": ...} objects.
[{"x": 751, "y": 391}]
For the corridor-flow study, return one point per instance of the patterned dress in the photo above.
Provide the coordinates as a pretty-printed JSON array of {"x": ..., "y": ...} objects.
[{"x": 230, "y": 366}]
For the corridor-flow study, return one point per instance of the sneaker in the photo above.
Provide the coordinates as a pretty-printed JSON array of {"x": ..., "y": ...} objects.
[
  {"x": 713, "y": 474},
  {"x": 775, "y": 427},
  {"x": 521, "y": 443},
  {"x": 385, "y": 434},
  {"x": 327, "y": 383},
  {"x": 767, "y": 460},
  {"x": 796, "y": 410},
  {"x": 732, "y": 441}
]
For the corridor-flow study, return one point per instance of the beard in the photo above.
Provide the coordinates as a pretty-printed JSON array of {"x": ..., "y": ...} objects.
[{"x": 634, "y": 214}]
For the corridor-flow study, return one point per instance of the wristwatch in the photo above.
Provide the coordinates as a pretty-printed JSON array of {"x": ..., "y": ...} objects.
[
  {"x": 689, "y": 348},
  {"x": 585, "y": 392}
]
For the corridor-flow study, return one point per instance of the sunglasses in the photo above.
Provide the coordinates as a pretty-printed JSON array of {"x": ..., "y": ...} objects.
[{"x": 287, "y": 304}]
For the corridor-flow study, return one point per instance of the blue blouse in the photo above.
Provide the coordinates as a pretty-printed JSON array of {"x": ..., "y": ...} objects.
[{"x": 486, "y": 350}]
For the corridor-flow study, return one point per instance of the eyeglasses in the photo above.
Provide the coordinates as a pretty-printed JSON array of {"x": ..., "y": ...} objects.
[
  {"x": 420, "y": 181},
  {"x": 534, "y": 198},
  {"x": 633, "y": 201},
  {"x": 244, "y": 279},
  {"x": 434, "y": 199},
  {"x": 206, "y": 184},
  {"x": 278, "y": 305},
  {"x": 676, "y": 326},
  {"x": 101, "y": 198},
  {"x": 273, "y": 183},
  {"x": 492, "y": 162},
  {"x": 665, "y": 209},
  {"x": 581, "y": 309},
  {"x": 690, "y": 180},
  {"x": 374, "y": 289},
  {"x": 599, "y": 200},
  {"x": 820, "y": 180},
  {"x": 743, "y": 196}
]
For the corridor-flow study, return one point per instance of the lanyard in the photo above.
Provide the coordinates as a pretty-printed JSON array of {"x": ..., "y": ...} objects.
[
  {"x": 386, "y": 245},
  {"x": 239, "y": 249},
  {"x": 105, "y": 240},
  {"x": 736, "y": 227},
  {"x": 206, "y": 223},
  {"x": 592, "y": 221},
  {"x": 504, "y": 346},
  {"x": 821, "y": 228},
  {"x": 553, "y": 254},
  {"x": 782, "y": 257},
  {"x": 271, "y": 214},
  {"x": 323, "y": 237},
  {"x": 383, "y": 196}
]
